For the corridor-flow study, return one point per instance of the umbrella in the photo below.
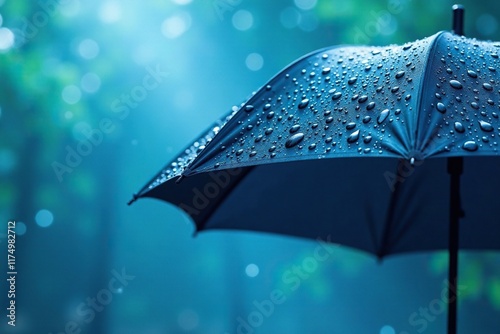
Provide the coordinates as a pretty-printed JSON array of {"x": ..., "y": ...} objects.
[{"x": 385, "y": 149}]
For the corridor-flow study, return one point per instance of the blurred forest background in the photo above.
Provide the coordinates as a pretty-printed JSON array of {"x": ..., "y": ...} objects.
[{"x": 98, "y": 95}]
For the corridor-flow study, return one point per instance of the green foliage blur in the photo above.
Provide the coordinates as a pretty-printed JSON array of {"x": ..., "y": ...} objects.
[{"x": 98, "y": 95}]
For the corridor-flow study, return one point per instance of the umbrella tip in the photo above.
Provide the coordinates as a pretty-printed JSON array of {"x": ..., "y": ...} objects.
[
  {"x": 134, "y": 198},
  {"x": 458, "y": 19}
]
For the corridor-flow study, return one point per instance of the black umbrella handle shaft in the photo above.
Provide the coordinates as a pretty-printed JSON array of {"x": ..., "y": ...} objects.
[{"x": 458, "y": 19}]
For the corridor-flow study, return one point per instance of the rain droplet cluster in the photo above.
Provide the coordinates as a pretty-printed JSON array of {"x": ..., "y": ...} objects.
[{"x": 464, "y": 86}]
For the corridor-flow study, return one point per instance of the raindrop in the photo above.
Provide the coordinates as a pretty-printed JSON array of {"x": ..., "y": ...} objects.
[
  {"x": 303, "y": 103},
  {"x": 474, "y": 105},
  {"x": 370, "y": 106},
  {"x": 294, "y": 140},
  {"x": 487, "y": 86},
  {"x": 485, "y": 126},
  {"x": 312, "y": 146},
  {"x": 456, "y": 84},
  {"x": 268, "y": 131},
  {"x": 350, "y": 125},
  {"x": 295, "y": 128},
  {"x": 329, "y": 119},
  {"x": 270, "y": 115},
  {"x": 367, "y": 139},
  {"x": 366, "y": 119},
  {"x": 253, "y": 153},
  {"x": 397, "y": 112},
  {"x": 441, "y": 107},
  {"x": 326, "y": 70},
  {"x": 239, "y": 152},
  {"x": 248, "y": 108},
  {"x": 472, "y": 74},
  {"x": 383, "y": 116},
  {"x": 353, "y": 137},
  {"x": 394, "y": 89},
  {"x": 258, "y": 138},
  {"x": 459, "y": 127},
  {"x": 272, "y": 148},
  {"x": 400, "y": 74},
  {"x": 363, "y": 99},
  {"x": 267, "y": 106},
  {"x": 352, "y": 80},
  {"x": 470, "y": 146},
  {"x": 336, "y": 96}
]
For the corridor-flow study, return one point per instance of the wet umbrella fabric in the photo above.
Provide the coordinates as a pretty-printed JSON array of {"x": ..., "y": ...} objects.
[{"x": 347, "y": 144}]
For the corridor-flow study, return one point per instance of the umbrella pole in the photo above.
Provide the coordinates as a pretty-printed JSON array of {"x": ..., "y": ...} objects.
[{"x": 455, "y": 168}]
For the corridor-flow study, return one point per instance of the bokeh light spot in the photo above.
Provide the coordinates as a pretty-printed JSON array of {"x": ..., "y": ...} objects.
[
  {"x": 305, "y": 4},
  {"x": 252, "y": 270},
  {"x": 88, "y": 48},
  {"x": 44, "y": 218},
  {"x": 7, "y": 161},
  {"x": 110, "y": 12},
  {"x": 254, "y": 61},
  {"x": 20, "y": 228},
  {"x": 71, "y": 94},
  {"x": 176, "y": 25},
  {"x": 90, "y": 82},
  {"x": 6, "y": 39},
  {"x": 486, "y": 24},
  {"x": 290, "y": 17},
  {"x": 242, "y": 20},
  {"x": 188, "y": 320},
  {"x": 387, "y": 330}
]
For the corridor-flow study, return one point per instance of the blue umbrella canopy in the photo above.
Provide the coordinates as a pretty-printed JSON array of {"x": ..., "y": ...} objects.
[
  {"x": 385, "y": 149},
  {"x": 344, "y": 144}
]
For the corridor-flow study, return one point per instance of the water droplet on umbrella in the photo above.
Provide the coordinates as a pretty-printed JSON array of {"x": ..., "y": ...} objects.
[
  {"x": 353, "y": 137},
  {"x": 295, "y": 128},
  {"x": 248, "y": 108},
  {"x": 350, "y": 125},
  {"x": 470, "y": 146},
  {"x": 303, "y": 103},
  {"x": 267, "y": 106},
  {"x": 294, "y": 140},
  {"x": 336, "y": 96},
  {"x": 459, "y": 127},
  {"x": 270, "y": 115},
  {"x": 272, "y": 148},
  {"x": 258, "y": 138},
  {"x": 363, "y": 99},
  {"x": 383, "y": 116},
  {"x": 352, "y": 80},
  {"x": 441, "y": 107},
  {"x": 366, "y": 119},
  {"x": 268, "y": 131},
  {"x": 400, "y": 74},
  {"x": 312, "y": 146},
  {"x": 239, "y": 152},
  {"x": 326, "y": 70},
  {"x": 474, "y": 105},
  {"x": 456, "y": 84},
  {"x": 329, "y": 119},
  {"x": 472, "y": 74},
  {"x": 370, "y": 106},
  {"x": 394, "y": 89},
  {"x": 253, "y": 153},
  {"x": 487, "y": 86},
  {"x": 485, "y": 126},
  {"x": 367, "y": 139}
]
